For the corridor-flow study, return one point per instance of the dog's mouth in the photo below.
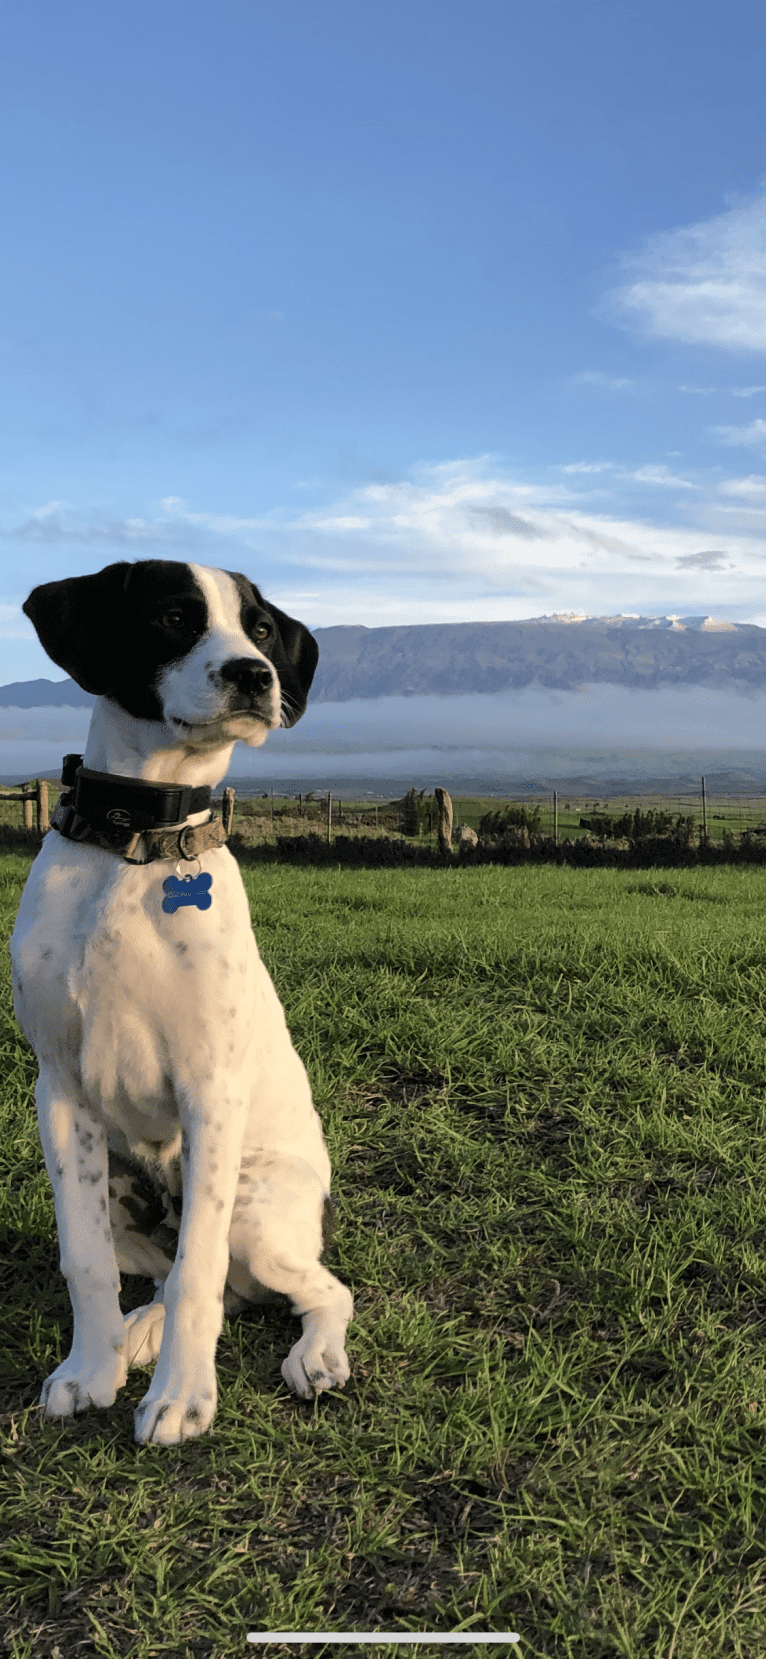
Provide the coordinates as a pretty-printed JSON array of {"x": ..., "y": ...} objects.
[
  {"x": 222, "y": 720},
  {"x": 228, "y": 723}
]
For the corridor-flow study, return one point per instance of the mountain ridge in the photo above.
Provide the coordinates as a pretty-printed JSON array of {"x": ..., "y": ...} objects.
[{"x": 562, "y": 652}]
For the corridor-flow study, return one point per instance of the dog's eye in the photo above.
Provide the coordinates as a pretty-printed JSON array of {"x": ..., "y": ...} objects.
[
  {"x": 262, "y": 631},
  {"x": 172, "y": 619}
]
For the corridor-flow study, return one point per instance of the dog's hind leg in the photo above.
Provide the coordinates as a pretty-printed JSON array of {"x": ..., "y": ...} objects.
[
  {"x": 75, "y": 1151},
  {"x": 143, "y": 1331},
  {"x": 145, "y": 1218},
  {"x": 279, "y": 1229}
]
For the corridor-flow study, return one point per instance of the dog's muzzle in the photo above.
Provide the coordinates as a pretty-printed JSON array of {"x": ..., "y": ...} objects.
[{"x": 252, "y": 683}]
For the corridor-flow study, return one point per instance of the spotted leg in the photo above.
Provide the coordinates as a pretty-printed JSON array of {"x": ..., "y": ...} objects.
[
  {"x": 181, "y": 1399},
  {"x": 75, "y": 1151}
]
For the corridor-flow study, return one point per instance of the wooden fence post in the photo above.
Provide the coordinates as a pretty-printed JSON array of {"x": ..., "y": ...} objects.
[
  {"x": 445, "y": 821},
  {"x": 704, "y": 813},
  {"x": 43, "y": 821},
  {"x": 329, "y": 816},
  {"x": 227, "y": 813},
  {"x": 555, "y": 818}
]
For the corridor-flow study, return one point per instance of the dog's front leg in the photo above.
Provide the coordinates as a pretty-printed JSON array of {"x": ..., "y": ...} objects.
[
  {"x": 75, "y": 1151},
  {"x": 181, "y": 1400}
]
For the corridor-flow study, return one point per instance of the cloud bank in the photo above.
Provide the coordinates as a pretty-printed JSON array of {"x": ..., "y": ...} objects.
[
  {"x": 451, "y": 541},
  {"x": 442, "y": 739},
  {"x": 704, "y": 283}
]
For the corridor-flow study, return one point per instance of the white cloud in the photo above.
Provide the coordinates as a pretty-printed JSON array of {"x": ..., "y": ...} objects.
[
  {"x": 595, "y": 377},
  {"x": 589, "y": 466},
  {"x": 650, "y": 473},
  {"x": 703, "y": 283},
  {"x": 753, "y": 486},
  {"x": 755, "y": 433},
  {"x": 734, "y": 391},
  {"x": 345, "y": 521},
  {"x": 45, "y": 512},
  {"x": 465, "y": 540},
  {"x": 457, "y": 541},
  {"x": 660, "y": 475}
]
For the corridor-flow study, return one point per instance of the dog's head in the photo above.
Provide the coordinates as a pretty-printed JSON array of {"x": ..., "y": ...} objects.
[{"x": 200, "y": 650}]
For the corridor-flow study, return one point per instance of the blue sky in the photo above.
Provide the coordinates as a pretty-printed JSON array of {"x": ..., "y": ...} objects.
[{"x": 419, "y": 311}]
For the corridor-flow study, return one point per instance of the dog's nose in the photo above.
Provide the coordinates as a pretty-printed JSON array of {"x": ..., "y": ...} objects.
[{"x": 250, "y": 678}]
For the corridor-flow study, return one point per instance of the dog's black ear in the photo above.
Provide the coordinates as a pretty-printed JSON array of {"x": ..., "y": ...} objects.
[
  {"x": 296, "y": 672},
  {"x": 78, "y": 623}
]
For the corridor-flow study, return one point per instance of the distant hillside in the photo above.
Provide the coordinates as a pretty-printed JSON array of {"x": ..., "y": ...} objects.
[
  {"x": 452, "y": 658},
  {"x": 43, "y": 694},
  {"x": 559, "y": 653}
]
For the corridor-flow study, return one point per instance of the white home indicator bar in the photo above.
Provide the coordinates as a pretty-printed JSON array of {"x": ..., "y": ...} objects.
[{"x": 379, "y": 1636}]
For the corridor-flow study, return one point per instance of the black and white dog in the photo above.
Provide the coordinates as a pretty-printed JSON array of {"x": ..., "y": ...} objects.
[{"x": 176, "y": 1118}]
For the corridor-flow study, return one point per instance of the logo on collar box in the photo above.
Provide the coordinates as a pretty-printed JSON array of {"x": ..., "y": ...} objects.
[
  {"x": 118, "y": 815},
  {"x": 187, "y": 890}
]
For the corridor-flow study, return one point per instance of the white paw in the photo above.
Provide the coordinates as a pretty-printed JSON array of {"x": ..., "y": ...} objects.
[
  {"x": 73, "y": 1387},
  {"x": 315, "y": 1364},
  {"x": 143, "y": 1334},
  {"x": 165, "y": 1419}
]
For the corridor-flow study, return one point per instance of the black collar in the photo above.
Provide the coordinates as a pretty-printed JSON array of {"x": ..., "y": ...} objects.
[{"x": 128, "y": 805}]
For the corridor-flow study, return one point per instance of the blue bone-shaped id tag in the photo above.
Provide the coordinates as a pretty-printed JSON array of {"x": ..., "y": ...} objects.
[{"x": 187, "y": 890}]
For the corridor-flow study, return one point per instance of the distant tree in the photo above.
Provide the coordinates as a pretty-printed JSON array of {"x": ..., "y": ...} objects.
[
  {"x": 635, "y": 826},
  {"x": 511, "y": 817},
  {"x": 415, "y": 812}
]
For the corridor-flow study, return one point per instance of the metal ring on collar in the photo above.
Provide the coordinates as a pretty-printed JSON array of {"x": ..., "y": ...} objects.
[{"x": 187, "y": 841}]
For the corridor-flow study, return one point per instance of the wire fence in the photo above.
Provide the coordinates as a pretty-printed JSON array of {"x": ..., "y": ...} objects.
[
  {"x": 557, "y": 813},
  {"x": 567, "y": 815}
]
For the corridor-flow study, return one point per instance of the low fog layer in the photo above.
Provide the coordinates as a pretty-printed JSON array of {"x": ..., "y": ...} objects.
[{"x": 412, "y": 737}]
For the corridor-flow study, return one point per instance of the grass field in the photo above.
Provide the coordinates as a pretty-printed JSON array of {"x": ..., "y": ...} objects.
[{"x": 544, "y": 1093}]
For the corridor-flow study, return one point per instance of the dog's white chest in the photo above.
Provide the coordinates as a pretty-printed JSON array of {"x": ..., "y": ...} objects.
[{"x": 125, "y": 996}]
